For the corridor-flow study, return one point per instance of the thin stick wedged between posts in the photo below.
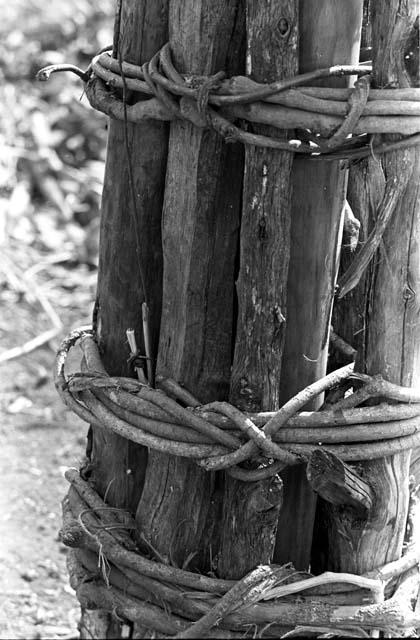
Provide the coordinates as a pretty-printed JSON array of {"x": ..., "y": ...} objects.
[
  {"x": 131, "y": 339},
  {"x": 147, "y": 344}
]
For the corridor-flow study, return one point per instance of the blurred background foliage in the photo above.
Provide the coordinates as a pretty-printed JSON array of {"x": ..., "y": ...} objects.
[
  {"x": 52, "y": 158},
  {"x": 52, "y": 143},
  {"x": 52, "y": 155}
]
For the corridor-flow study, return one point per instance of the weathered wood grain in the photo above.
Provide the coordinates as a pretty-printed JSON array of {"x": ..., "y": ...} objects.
[
  {"x": 117, "y": 466},
  {"x": 250, "y": 510},
  {"x": 329, "y": 34},
  {"x": 391, "y": 338},
  {"x": 200, "y": 234}
]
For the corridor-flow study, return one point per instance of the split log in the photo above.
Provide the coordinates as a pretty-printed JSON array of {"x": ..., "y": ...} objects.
[
  {"x": 250, "y": 510},
  {"x": 337, "y": 482},
  {"x": 329, "y": 34},
  {"x": 177, "y": 512},
  {"x": 391, "y": 340},
  {"x": 117, "y": 466}
]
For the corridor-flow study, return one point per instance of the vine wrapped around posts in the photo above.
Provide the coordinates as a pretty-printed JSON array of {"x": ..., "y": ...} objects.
[
  {"x": 106, "y": 572},
  {"x": 219, "y": 436}
]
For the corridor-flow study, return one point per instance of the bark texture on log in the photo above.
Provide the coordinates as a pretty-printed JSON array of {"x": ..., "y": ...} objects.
[
  {"x": 118, "y": 466},
  {"x": 250, "y": 510},
  {"x": 200, "y": 228},
  {"x": 391, "y": 319},
  {"x": 329, "y": 34}
]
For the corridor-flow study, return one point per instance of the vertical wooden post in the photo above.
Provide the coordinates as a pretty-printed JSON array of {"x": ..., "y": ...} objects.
[
  {"x": 118, "y": 466},
  {"x": 250, "y": 510},
  {"x": 329, "y": 34},
  {"x": 391, "y": 341},
  {"x": 200, "y": 225}
]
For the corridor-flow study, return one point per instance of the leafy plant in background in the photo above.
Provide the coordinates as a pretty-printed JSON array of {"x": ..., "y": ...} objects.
[
  {"x": 51, "y": 169},
  {"x": 52, "y": 153}
]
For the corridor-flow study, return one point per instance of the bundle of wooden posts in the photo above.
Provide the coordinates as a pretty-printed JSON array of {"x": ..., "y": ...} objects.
[
  {"x": 110, "y": 571},
  {"x": 234, "y": 252}
]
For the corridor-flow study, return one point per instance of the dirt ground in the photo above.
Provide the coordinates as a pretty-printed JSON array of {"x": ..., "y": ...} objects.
[{"x": 39, "y": 439}]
